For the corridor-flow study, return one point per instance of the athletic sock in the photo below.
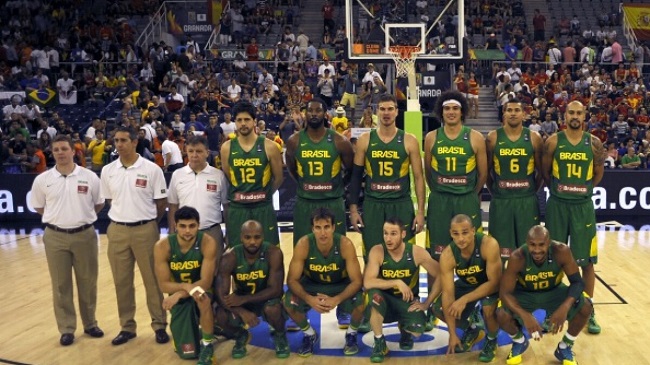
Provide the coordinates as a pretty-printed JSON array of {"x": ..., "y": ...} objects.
[
  {"x": 351, "y": 330},
  {"x": 492, "y": 335},
  {"x": 308, "y": 330},
  {"x": 207, "y": 338},
  {"x": 567, "y": 341},
  {"x": 518, "y": 337}
]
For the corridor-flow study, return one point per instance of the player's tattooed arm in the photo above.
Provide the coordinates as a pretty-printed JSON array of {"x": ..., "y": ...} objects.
[{"x": 599, "y": 159}]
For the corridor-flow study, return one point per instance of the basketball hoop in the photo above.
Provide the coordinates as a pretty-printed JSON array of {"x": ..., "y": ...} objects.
[{"x": 404, "y": 57}]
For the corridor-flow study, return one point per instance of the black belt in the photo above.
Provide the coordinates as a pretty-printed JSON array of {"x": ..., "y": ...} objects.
[
  {"x": 133, "y": 224},
  {"x": 68, "y": 230}
]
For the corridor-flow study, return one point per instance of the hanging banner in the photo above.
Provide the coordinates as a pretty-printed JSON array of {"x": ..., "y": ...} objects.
[{"x": 637, "y": 17}]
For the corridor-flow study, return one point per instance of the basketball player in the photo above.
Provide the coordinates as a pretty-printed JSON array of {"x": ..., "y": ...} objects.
[
  {"x": 185, "y": 264},
  {"x": 391, "y": 281},
  {"x": 385, "y": 154},
  {"x": 515, "y": 161},
  {"x": 324, "y": 273},
  {"x": 257, "y": 270},
  {"x": 253, "y": 164},
  {"x": 455, "y": 164},
  {"x": 201, "y": 186},
  {"x": 136, "y": 190},
  {"x": 533, "y": 280},
  {"x": 474, "y": 258},
  {"x": 573, "y": 163},
  {"x": 68, "y": 198}
]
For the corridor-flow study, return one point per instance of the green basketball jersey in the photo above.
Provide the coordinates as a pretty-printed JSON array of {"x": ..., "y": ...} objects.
[
  {"x": 539, "y": 278},
  {"x": 321, "y": 270},
  {"x": 405, "y": 269},
  {"x": 251, "y": 278},
  {"x": 185, "y": 267},
  {"x": 471, "y": 272},
  {"x": 250, "y": 173},
  {"x": 573, "y": 168},
  {"x": 514, "y": 165},
  {"x": 387, "y": 168},
  {"x": 319, "y": 167},
  {"x": 453, "y": 163}
]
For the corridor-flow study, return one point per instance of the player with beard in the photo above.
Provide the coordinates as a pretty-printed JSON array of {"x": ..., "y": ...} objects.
[
  {"x": 256, "y": 269},
  {"x": 515, "y": 162},
  {"x": 386, "y": 154},
  {"x": 573, "y": 164},
  {"x": 316, "y": 159},
  {"x": 253, "y": 165},
  {"x": 185, "y": 263}
]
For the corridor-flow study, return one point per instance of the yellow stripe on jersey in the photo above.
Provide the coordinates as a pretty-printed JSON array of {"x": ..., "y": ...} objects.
[
  {"x": 531, "y": 166},
  {"x": 556, "y": 169},
  {"x": 369, "y": 168},
  {"x": 266, "y": 178},
  {"x": 404, "y": 169},
  {"x": 471, "y": 164},
  {"x": 497, "y": 165},
  {"x": 415, "y": 281},
  {"x": 590, "y": 172},
  {"x": 233, "y": 178},
  {"x": 336, "y": 167},
  {"x": 434, "y": 163},
  {"x": 299, "y": 169}
]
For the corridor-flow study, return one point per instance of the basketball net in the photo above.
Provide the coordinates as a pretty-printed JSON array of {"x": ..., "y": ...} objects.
[{"x": 404, "y": 57}]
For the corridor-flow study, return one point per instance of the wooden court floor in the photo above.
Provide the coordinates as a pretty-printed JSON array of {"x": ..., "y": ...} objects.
[{"x": 28, "y": 333}]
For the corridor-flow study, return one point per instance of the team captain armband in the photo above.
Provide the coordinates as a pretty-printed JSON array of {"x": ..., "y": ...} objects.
[
  {"x": 452, "y": 180},
  {"x": 253, "y": 197}
]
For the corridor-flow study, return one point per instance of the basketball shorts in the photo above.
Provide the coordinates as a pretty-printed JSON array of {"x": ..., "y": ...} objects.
[
  {"x": 394, "y": 309},
  {"x": 577, "y": 221},
  {"x": 459, "y": 291},
  {"x": 510, "y": 220},
  {"x": 263, "y": 212},
  {"x": 375, "y": 213},
  {"x": 549, "y": 301},
  {"x": 299, "y": 305}
]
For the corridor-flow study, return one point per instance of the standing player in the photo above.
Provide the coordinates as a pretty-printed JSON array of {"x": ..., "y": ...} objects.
[
  {"x": 253, "y": 164},
  {"x": 256, "y": 269},
  {"x": 324, "y": 273},
  {"x": 573, "y": 164},
  {"x": 386, "y": 153},
  {"x": 515, "y": 161},
  {"x": 185, "y": 264},
  {"x": 68, "y": 198},
  {"x": 474, "y": 258},
  {"x": 391, "y": 280},
  {"x": 201, "y": 186},
  {"x": 316, "y": 159},
  {"x": 136, "y": 191},
  {"x": 533, "y": 280},
  {"x": 456, "y": 169}
]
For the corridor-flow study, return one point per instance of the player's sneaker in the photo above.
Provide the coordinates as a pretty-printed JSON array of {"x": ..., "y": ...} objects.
[
  {"x": 364, "y": 326},
  {"x": 489, "y": 351},
  {"x": 405, "y": 340},
  {"x": 307, "y": 347},
  {"x": 241, "y": 339},
  {"x": 431, "y": 322},
  {"x": 351, "y": 346},
  {"x": 292, "y": 326},
  {"x": 205, "y": 356},
  {"x": 281, "y": 343},
  {"x": 475, "y": 318},
  {"x": 565, "y": 355},
  {"x": 470, "y": 337},
  {"x": 514, "y": 357},
  {"x": 379, "y": 350},
  {"x": 343, "y": 318},
  {"x": 592, "y": 326}
]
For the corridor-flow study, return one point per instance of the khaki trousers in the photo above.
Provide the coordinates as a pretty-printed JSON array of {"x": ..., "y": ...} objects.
[{"x": 127, "y": 246}]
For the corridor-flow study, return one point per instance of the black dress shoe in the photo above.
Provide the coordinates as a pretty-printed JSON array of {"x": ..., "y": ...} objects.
[
  {"x": 162, "y": 336},
  {"x": 94, "y": 332},
  {"x": 66, "y": 339},
  {"x": 123, "y": 337}
]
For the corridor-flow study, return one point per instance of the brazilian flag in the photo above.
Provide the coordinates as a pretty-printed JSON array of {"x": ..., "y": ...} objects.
[{"x": 43, "y": 97}]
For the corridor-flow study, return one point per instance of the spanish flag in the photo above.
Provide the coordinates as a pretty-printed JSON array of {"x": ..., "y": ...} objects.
[
  {"x": 637, "y": 16},
  {"x": 43, "y": 97}
]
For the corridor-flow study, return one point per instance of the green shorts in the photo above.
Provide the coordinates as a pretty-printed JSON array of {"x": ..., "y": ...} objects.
[
  {"x": 262, "y": 212},
  {"x": 578, "y": 221},
  {"x": 459, "y": 291},
  {"x": 442, "y": 208},
  {"x": 375, "y": 213},
  {"x": 394, "y": 309},
  {"x": 549, "y": 301},
  {"x": 510, "y": 220},
  {"x": 302, "y": 216},
  {"x": 257, "y": 308},
  {"x": 299, "y": 305}
]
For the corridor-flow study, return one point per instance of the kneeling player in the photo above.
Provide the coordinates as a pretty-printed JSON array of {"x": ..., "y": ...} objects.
[
  {"x": 392, "y": 280},
  {"x": 185, "y": 263},
  {"x": 257, "y": 270},
  {"x": 533, "y": 280},
  {"x": 324, "y": 273}
]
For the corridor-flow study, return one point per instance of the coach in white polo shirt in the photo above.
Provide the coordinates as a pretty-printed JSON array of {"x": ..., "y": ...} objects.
[
  {"x": 135, "y": 189},
  {"x": 172, "y": 155},
  {"x": 202, "y": 187},
  {"x": 68, "y": 198}
]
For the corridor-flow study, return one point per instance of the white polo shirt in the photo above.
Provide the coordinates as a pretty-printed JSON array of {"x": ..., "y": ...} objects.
[
  {"x": 205, "y": 191},
  {"x": 68, "y": 201},
  {"x": 172, "y": 148},
  {"x": 133, "y": 189}
]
